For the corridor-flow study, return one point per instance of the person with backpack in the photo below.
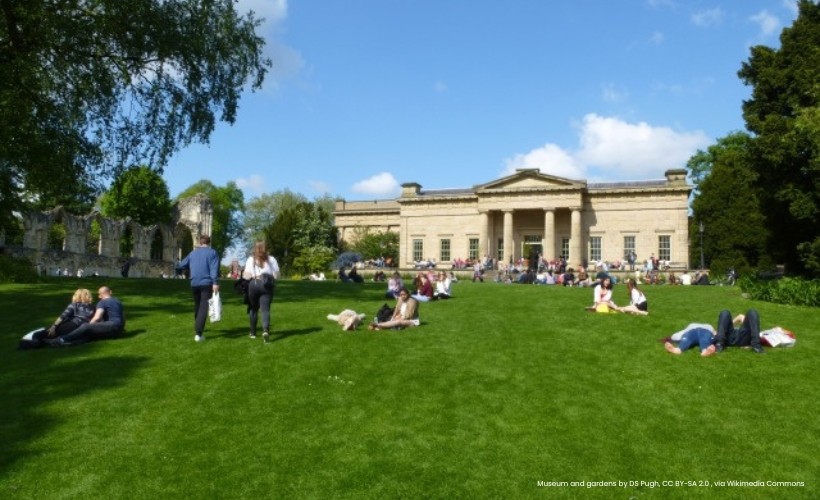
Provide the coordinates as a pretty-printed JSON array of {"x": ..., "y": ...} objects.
[{"x": 405, "y": 314}]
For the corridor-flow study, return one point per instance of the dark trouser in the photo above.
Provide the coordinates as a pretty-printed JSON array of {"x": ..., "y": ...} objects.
[
  {"x": 259, "y": 299},
  {"x": 202, "y": 294},
  {"x": 93, "y": 331},
  {"x": 747, "y": 334},
  {"x": 69, "y": 326}
]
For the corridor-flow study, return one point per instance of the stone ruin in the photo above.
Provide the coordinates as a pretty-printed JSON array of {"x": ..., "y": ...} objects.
[{"x": 155, "y": 249}]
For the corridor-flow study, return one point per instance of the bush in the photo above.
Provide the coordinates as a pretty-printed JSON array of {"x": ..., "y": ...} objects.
[
  {"x": 791, "y": 291},
  {"x": 17, "y": 270}
]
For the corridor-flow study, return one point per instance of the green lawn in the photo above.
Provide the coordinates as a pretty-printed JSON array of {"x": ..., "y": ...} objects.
[{"x": 501, "y": 388}]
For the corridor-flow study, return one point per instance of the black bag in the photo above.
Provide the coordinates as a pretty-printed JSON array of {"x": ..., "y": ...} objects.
[
  {"x": 268, "y": 283},
  {"x": 385, "y": 313}
]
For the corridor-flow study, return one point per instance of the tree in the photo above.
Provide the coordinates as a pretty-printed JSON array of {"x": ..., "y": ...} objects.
[
  {"x": 305, "y": 228},
  {"x": 374, "y": 245},
  {"x": 89, "y": 87},
  {"x": 140, "y": 193},
  {"x": 228, "y": 204},
  {"x": 783, "y": 112},
  {"x": 728, "y": 206},
  {"x": 261, "y": 211}
]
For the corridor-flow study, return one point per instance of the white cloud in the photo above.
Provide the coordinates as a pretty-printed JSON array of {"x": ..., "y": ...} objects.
[
  {"x": 657, "y": 38},
  {"x": 635, "y": 150},
  {"x": 255, "y": 184},
  {"x": 612, "y": 149},
  {"x": 660, "y": 3},
  {"x": 383, "y": 184},
  {"x": 791, "y": 5},
  {"x": 550, "y": 159},
  {"x": 707, "y": 17},
  {"x": 769, "y": 24},
  {"x": 273, "y": 11},
  {"x": 609, "y": 93}
]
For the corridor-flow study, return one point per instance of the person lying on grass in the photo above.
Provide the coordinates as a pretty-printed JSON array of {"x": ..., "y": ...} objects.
[
  {"x": 695, "y": 334},
  {"x": 406, "y": 313}
]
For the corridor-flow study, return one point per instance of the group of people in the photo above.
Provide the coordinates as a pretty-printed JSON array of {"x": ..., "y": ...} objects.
[
  {"x": 602, "y": 298},
  {"x": 741, "y": 331},
  {"x": 82, "y": 322},
  {"x": 258, "y": 283}
]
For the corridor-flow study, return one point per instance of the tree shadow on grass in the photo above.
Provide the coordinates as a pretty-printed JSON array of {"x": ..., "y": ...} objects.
[{"x": 35, "y": 380}]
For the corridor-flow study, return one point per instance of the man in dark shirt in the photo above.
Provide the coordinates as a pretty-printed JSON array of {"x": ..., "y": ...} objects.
[{"x": 108, "y": 322}]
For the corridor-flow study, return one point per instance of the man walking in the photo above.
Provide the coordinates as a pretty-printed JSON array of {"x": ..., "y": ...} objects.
[{"x": 203, "y": 265}]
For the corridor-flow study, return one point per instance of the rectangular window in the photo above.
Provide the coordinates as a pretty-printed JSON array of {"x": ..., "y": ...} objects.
[
  {"x": 500, "y": 249},
  {"x": 565, "y": 248},
  {"x": 418, "y": 250},
  {"x": 472, "y": 249},
  {"x": 595, "y": 248},
  {"x": 629, "y": 247},
  {"x": 444, "y": 250},
  {"x": 665, "y": 247}
]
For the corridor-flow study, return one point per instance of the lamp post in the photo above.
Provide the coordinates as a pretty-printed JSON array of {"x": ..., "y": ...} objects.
[{"x": 700, "y": 228}]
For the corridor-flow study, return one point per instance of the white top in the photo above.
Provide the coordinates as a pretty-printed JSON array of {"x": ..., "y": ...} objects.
[
  {"x": 601, "y": 294},
  {"x": 443, "y": 286},
  {"x": 637, "y": 297},
  {"x": 685, "y": 279},
  {"x": 252, "y": 270}
]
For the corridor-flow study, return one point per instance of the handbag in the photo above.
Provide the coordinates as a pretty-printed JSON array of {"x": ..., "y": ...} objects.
[{"x": 215, "y": 308}]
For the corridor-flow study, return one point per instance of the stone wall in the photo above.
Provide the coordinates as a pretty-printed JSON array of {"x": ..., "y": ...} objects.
[{"x": 191, "y": 218}]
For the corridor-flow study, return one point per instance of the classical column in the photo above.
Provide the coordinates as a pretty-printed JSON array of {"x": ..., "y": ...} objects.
[
  {"x": 483, "y": 226},
  {"x": 575, "y": 256},
  {"x": 508, "y": 235},
  {"x": 549, "y": 233}
]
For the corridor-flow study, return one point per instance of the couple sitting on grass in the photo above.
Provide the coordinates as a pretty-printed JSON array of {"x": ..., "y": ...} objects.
[
  {"x": 406, "y": 313},
  {"x": 602, "y": 298},
  {"x": 81, "y": 322},
  {"x": 711, "y": 341}
]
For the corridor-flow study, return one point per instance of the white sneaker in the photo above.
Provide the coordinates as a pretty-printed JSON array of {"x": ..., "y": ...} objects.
[
  {"x": 253, "y": 335},
  {"x": 266, "y": 336},
  {"x": 199, "y": 338}
]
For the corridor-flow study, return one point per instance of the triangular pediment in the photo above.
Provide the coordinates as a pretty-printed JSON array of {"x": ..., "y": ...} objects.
[{"x": 530, "y": 179}]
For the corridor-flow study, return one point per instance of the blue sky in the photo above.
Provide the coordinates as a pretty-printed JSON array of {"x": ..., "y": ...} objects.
[{"x": 366, "y": 95}]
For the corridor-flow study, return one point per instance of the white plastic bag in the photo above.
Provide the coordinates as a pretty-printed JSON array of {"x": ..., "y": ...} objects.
[{"x": 215, "y": 308}]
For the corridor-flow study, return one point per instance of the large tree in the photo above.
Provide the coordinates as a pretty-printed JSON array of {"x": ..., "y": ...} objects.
[
  {"x": 261, "y": 211},
  {"x": 88, "y": 87},
  {"x": 728, "y": 206},
  {"x": 783, "y": 112},
  {"x": 228, "y": 204},
  {"x": 305, "y": 230},
  {"x": 140, "y": 193}
]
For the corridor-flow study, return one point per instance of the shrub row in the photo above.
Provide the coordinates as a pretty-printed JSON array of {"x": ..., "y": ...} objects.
[{"x": 792, "y": 291}]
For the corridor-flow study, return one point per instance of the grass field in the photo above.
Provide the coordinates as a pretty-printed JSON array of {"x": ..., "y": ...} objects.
[{"x": 503, "y": 390}]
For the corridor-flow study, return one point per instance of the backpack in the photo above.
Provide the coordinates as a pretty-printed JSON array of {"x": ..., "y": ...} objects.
[{"x": 385, "y": 313}]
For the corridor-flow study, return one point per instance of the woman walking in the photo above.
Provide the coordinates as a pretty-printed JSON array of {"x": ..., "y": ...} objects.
[{"x": 261, "y": 270}]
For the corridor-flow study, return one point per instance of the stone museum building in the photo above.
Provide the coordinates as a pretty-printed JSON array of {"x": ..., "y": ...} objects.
[{"x": 531, "y": 212}]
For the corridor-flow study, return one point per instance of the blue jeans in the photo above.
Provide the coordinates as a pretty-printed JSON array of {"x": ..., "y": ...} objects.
[
  {"x": 747, "y": 334},
  {"x": 700, "y": 336}
]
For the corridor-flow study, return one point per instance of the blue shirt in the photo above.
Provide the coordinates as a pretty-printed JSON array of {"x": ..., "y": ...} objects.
[
  {"x": 113, "y": 311},
  {"x": 203, "y": 262}
]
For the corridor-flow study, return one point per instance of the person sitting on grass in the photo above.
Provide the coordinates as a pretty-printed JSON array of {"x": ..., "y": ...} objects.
[
  {"x": 442, "y": 286},
  {"x": 637, "y": 300},
  {"x": 405, "y": 314},
  {"x": 108, "y": 322},
  {"x": 602, "y": 296},
  {"x": 424, "y": 291},
  {"x": 77, "y": 313},
  {"x": 694, "y": 334}
]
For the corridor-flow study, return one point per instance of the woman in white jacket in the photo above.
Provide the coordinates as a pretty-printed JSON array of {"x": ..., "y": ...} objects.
[{"x": 261, "y": 270}]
